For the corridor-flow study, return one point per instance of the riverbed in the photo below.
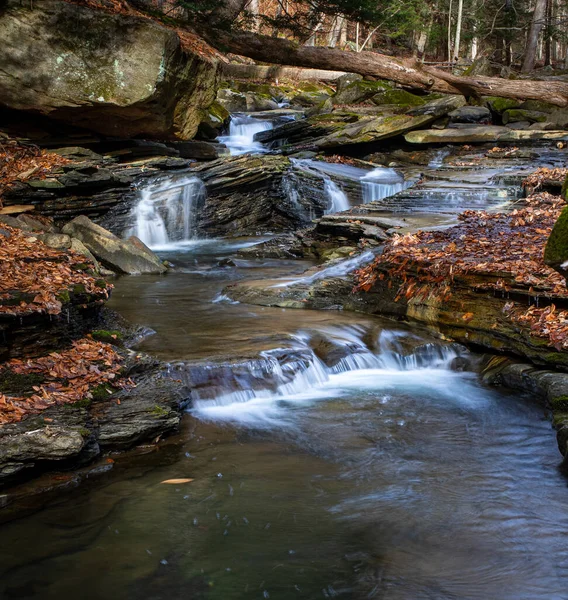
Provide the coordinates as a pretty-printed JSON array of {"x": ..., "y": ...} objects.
[{"x": 407, "y": 479}]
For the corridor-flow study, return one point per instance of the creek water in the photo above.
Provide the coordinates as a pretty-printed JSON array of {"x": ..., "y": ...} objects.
[
  {"x": 331, "y": 455},
  {"x": 390, "y": 475}
]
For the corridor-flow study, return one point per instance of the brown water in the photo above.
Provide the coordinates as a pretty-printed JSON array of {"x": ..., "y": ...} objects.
[{"x": 399, "y": 481}]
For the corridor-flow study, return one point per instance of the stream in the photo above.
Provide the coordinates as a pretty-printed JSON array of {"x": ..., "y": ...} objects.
[{"x": 331, "y": 455}]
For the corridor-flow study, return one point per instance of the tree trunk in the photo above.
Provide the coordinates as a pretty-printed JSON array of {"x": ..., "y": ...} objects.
[
  {"x": 458, "y": 31},
  {"x": 406, "y": 73},
  {"x": 537, "y": 24},
  {"x": 450, "y": 33}
]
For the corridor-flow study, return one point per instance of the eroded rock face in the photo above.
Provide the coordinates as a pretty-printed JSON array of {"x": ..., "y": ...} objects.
[{"x": 111, "y": 73}]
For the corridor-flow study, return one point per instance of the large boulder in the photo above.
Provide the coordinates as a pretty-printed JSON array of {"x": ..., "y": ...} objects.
[
  {"x": 480, "y": 133},
  {"x": 115, "y": 74},
  {"x": 129, "y": 256},
  {"x": 556, "y": 250}
]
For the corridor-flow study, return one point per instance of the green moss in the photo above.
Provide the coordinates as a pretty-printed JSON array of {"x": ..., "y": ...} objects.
[
  {"x": 500, "y": 105},
  {"x": 218, "y": 112},
  {"x": 64, "y": 297},
  {"x": 513, "y": 115},
  {"x": 86, "y": 433},
  {"x": 538, "y": 106},
  {"x": 564, "y": 191},
  {"x": 18, "y": 384},
  {"x": 559, "y": 403},
  {"x": 556, "y": 251},
  {"x": 111, "y": 336},
  {"x": 159, "y": 411},
  {"x": 102, "y": 392},
  {"x": 79, "y": 288},
  {"x": 559, "y": 419},
  {"x": 83, "y": 403},
  {"x": 400, "y": 97},
  {"x": 101, "y": 283}
]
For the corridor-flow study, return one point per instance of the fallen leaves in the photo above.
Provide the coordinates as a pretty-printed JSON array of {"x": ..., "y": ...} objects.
[
  {"x": 543, "y": 175},
  {"x": 35, "y": 278},
  {"x": 497, "y": 251},
  {"x": 66, "y": 377},
  {"x": 20, "y": 163}
]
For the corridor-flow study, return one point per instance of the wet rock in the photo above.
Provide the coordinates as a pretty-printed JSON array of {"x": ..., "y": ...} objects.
[
  {"x": 247, "y": 195},
  {"x": 108, "y": 72},
  {"x": 199, "y": 150},
  {"x": 470, "y": 114},
  {"x": 330, "y": 351},
  {"x": 514, "y": 115},
  {"x": 214, "y": 123},
  {"x": 125, "y": 256},
  {"x": 480, "y": 133},
  {"x": 439, "y": 107},
  {"x": 519, "y": 125}
]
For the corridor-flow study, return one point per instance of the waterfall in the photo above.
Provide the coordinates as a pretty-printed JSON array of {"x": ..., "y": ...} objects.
[
  {"x": 308, "y": 370},
  {"x": 241, "y": 135},
  {"x": 166, "y": 211},
  {"x": 362, "y": 185},
  {"x": 338, "y": 200},
  {"x": 381, "y": 183}
]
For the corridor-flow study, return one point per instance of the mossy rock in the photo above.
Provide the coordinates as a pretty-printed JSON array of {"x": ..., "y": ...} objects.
[
  {"x": 500, "y": 105},
  {"x": 564, "y": 192},
  {"x": 556, "y": 251},
  {"x": 17, "y": 384},
  {"x": 559, "y": 404},
  {"x": 399, "y": 98},
  {"x": 515, "y": 115},
  {"x": 112, "y": 336},
  {"x": 102, "y": 392},
  {"x": 359, "y": 91},
  {"x": 538, "y": 106}
]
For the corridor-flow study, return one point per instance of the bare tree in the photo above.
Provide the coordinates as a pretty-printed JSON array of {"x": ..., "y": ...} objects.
[{"x": 537, "y": 24}]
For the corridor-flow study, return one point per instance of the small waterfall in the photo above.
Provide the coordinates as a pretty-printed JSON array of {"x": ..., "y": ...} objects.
[
  {"x": 438, "y": 158},
  {"x": 165, "y": 212},
  {"x": 241, "y": 135},
  {"x": 337, "y": 270},
  {"x": 338, "y": 201},
  {"x": 381, "y": 183},
  {"x": 307, "y": 370}
]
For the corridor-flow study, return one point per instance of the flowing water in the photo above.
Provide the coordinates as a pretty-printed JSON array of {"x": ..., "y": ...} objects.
[
  {"x": 332, "y": 456},
  {"x": 165, "y": 210},
  {"x": 242, "y": 130}
]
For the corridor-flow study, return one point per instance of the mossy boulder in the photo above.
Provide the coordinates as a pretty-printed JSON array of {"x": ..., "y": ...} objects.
[
  {"x": 360, "y": 91},
  {"x": 116, "y": 74},
  {"x": 215, "y": 119},
  {"x": 556, "y": 251},
  {"x": 514, "y": 115},
  {"x": 398, "y": 97},
  {"x": 499, "y": 105},
  {"x": 232, "y": 101},
  {"x": 112, "y": 336},
  {"x": 309, "y": 99}
]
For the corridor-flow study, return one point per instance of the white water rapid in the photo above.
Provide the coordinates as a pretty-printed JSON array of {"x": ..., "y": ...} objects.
[
  {"x": 241, "y": 135},
  {"x": 253, "y": 391},
  {"x": 166, "y": 210},
  {"x": 381, "y": 183}
]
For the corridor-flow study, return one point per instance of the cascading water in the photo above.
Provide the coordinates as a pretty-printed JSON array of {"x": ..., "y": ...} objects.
[
  {"x": 166, "y": 211},
  {"x": 381, "y": 183},
  {"x": 241, "y": 135},
  {"x": 248, "y": 390},
  {"x": 338, "y": 200},
  {"x": 361, "y": 185}
]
